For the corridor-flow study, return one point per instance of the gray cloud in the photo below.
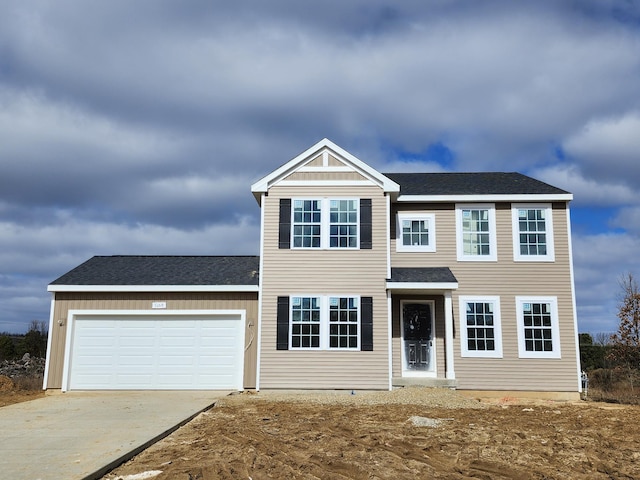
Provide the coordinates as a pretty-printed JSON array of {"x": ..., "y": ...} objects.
[{"x": 138, "y": 127}]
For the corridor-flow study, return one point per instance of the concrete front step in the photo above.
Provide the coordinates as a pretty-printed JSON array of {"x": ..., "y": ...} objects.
[{"x": 424, "y": 382}]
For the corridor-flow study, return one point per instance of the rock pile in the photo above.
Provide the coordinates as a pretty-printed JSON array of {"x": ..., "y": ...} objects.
[{"x": 27, "y": 366}]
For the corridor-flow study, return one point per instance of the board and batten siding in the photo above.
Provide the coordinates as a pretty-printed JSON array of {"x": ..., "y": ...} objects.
[
  {"x": 507, "y": 279},
  {"x": 66, "y": 301},
  {"x": 286, "y": 272}
]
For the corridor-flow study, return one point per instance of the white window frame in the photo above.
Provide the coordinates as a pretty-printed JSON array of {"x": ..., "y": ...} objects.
[
  {"x": 325, "y": 223},
  {"x": 519, "y": 257},
  {"x": 493, "y": 253},
  {"x": 292, "y": 304},
  {"x": 555, "y": 328},
  {"x": 497, "y": 327},
  {"x": 324, "y": 302},
  {"x": 430, "y": 218}
]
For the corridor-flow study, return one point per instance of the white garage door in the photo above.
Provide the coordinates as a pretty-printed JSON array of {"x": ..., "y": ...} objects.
[{"x": 156, "y": 353}]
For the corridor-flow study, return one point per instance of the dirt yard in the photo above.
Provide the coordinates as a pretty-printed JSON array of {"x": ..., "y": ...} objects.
[
  {"x": 11, "y": 393},
  {"x": 400, "y": 434}
]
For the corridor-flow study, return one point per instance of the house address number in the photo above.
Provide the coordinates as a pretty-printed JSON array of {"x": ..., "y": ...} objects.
[{"x": 158, "y": 304}]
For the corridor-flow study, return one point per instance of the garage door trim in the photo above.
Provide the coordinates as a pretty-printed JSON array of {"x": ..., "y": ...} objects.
[{"x": 74, "y": 315}]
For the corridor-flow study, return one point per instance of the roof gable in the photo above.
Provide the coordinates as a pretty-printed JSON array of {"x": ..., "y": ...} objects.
[{"x": 324, "y": 156}]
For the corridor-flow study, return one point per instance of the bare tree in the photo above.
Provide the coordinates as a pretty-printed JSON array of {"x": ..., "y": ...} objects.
[
  {"x": 625, "y": 349},
  {"x": 602, "y": 338}
]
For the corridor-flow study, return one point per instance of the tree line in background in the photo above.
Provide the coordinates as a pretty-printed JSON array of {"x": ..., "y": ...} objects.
[
  {"x": 612, "y": 361},
  {"x": 34, "y": 342}
]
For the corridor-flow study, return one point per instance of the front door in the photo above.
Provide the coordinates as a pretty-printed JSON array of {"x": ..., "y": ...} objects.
[{"x": 418, "y": 346}]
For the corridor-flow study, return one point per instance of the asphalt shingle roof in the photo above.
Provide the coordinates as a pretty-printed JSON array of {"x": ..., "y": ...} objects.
[
  {"x": 422, "y": 275},
  {"x": 481, "y": 183},
  {"x": 164, "y": 270}
]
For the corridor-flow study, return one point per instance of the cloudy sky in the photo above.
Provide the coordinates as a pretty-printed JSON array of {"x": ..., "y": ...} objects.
[{"x": 138, "y": 127}]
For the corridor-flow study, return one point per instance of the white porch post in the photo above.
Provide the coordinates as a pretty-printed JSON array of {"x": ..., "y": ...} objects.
[{"x": 448, "y": 334}]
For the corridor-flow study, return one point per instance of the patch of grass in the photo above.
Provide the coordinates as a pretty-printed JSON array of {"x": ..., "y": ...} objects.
[{"x": 614, "y": 385}]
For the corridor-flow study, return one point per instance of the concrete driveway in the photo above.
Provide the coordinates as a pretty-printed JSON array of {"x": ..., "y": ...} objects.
[{"x": 82, "y": 435}]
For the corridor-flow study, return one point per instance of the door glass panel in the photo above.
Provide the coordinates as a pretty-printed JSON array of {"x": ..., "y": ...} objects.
[{"x": 418, "y": 337}]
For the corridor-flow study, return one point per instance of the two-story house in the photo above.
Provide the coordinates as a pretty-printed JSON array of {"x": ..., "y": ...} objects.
[{"x": 364, "y": 280}]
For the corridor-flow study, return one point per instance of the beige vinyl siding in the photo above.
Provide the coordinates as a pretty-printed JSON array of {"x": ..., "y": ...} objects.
[
  {"x": 325, "y": 176},
  {"x": 142, "y": 301},
  {"x": 507, "y": 279},
  {"x": 288, "y": 272},
  {"x": 316, "y": 162},
  {"x": 335, "y": 162}
]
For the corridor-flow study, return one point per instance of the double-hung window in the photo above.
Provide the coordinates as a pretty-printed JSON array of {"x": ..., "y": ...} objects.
[
  {"x": 538, "y": 331},
  {"x": 343, "y": 322},
  {"x": 324, "y": 322},
  {"x": 532, "y": 233},
  {"x": 416, "y": 232},
  {"x": 307, "y": 221},
  {"x": 305, "y": 322},
  {"x": 476, "y": 232},
  {"x": 343, "y": 223},
  {"x": 325, "y": 223},
  {"x": 480, "y": 328}
]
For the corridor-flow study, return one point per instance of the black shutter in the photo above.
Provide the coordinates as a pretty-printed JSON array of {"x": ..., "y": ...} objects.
[
  {"x": 365, "y": 223},
  {"x": 282, "y": 331},
  {"x": 284, "y": 232},
  {"x": 366, "y": 323}
]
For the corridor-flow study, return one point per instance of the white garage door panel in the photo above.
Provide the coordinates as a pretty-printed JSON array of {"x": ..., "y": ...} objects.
[{"x": 156, "y": 353}]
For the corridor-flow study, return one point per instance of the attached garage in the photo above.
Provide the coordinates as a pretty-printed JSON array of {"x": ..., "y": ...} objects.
[
  {"x": 155, "y": 323},
  {"x": 145, "y": 350}
]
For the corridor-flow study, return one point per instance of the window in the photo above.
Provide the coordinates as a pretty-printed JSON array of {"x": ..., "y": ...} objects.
[
  {"x": 321, "y": 322},
  {"x": 476, "y": 232},
  {"x": 532, "y": 233},
  {"x": 538, "y": 332},
  {"x": 305, "y": 322},
  {"x": 481, "y": 334},
  {"x": 306, "y": 223},
  {"x": 343, "y": 224},
  {"x": 325, "y": 223},
  {"x": 343, "y": 322},
  {"x": 416, "y": 233}
]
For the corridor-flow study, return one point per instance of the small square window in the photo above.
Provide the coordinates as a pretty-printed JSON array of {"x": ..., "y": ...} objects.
[{"x": 416, "y": 232}]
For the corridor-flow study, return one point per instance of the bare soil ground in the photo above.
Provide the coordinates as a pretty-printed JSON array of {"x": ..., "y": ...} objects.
[
  {"x": 11, "y": 393},
  {"x": 401, "y": 434}
]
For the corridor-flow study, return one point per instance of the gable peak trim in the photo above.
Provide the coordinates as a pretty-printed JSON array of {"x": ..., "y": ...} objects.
[{"x": 323, "y": 149}]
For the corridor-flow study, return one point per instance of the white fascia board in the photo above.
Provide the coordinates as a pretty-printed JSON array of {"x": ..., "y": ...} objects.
[
  {"x": 422, "y": 286},
  {"x": 153, "y": 288},
  {"x": 525, "y": 197},
  {"x": 262, "y": 185}
]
